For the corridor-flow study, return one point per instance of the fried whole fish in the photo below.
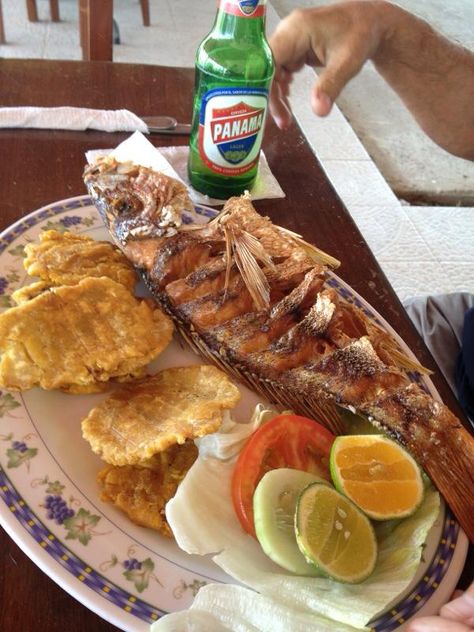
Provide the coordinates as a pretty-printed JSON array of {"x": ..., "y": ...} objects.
[{"x": 255, "y": 299}]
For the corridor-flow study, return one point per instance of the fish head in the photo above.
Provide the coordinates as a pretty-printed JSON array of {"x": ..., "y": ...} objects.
[{"x": 136, "y": 202}]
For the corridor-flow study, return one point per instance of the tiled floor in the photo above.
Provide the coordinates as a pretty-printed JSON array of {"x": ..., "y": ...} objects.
[{"x": 422, "y": 250}]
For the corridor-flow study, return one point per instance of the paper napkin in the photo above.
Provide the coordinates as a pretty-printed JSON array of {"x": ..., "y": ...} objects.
[
  {"x": 266, "y": 185},
  {"x": 72, "y": 118},
  {"x": 173, "y": 162}
]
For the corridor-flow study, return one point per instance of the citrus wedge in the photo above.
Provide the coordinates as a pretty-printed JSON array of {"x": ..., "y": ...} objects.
[
  {"x": 334, "y": 534},
  {"x": 377, "y": 475}
]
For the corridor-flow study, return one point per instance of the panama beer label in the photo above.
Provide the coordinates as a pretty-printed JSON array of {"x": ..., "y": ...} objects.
[
  {"x": 231, "y": 126},
  {"x": 244, "y": 8}
]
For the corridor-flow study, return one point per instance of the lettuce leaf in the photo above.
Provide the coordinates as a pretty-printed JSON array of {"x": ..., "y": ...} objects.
[
  {"x": 229, "y": 608},
  {"x": 203, "y": 521}
]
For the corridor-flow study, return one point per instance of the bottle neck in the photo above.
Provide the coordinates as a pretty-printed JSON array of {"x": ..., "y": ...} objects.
[{"x": 240, "y": 17}]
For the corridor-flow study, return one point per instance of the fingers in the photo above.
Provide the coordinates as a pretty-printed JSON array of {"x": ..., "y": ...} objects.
[
  {"x": 455, "y": 616},
  {"x": 342, "y": 66},
  {"x": 291, "y": 47},
  {"x": 461, "y": 609},
  {"x": 436, "y": 624},
  {"x": 341, "y": 37},
  {"x": 290, "y": 43},
  {"x": 321, "y": 103},
  {"x": 279, "y": 105}
]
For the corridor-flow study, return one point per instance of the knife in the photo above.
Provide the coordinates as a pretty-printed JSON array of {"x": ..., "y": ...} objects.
[{"x": 166, "y": 125}]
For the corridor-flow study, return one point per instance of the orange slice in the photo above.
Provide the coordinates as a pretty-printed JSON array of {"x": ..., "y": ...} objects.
[{"x": 377, "y": 475}]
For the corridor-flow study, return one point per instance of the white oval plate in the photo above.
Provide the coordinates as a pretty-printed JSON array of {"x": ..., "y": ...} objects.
[{"x": 127, "y": 574}]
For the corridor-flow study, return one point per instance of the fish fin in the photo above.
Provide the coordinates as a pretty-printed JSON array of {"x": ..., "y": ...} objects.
[
  {"x": 401, "y": 360},
  {"x": 228, "y": 260},
  {"x": 247, "y": 251},
  {"x": 317, "y": 255}
]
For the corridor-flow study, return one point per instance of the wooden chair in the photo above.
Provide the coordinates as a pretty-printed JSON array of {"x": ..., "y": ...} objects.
[
  {"x": 2, "y": 28},
  {"x": 32, "y": 10},
  {"x": 145, "y": 5},
  {"x": 96, "y": 28},
  {"x": 95, "y": 25}
]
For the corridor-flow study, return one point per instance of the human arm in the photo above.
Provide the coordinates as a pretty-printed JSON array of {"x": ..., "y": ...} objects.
[{"x": 433, "y": 76}]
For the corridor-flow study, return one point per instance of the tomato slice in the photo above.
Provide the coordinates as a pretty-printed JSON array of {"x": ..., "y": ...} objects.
[{"x": 285, "y": 441}]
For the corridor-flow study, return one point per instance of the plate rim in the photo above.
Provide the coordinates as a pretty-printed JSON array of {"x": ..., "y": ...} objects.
[{"x": 93, "y": 600}]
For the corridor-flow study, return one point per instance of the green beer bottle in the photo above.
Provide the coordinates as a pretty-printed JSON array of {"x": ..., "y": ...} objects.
[{"x": 234, "y": 70}]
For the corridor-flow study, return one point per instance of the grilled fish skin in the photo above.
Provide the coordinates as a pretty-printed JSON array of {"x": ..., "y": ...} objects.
[{"x": 253, "y": 298}]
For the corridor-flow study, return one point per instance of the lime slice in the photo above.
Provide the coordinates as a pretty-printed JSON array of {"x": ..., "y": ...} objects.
[
  {"x": 274, "y": 506},
  {"x": 334, "y": 534},
  {"x": 377, "y": 475}
]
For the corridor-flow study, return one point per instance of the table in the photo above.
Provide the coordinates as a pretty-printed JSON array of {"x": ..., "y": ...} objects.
[{"x": 42, "y": 166}]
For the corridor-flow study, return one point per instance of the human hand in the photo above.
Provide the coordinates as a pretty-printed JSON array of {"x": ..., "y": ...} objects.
[
  {"x": 433, "y": 76},
  {"x": 340, "y": 37},
  {"x": 455, "y": 616}
]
